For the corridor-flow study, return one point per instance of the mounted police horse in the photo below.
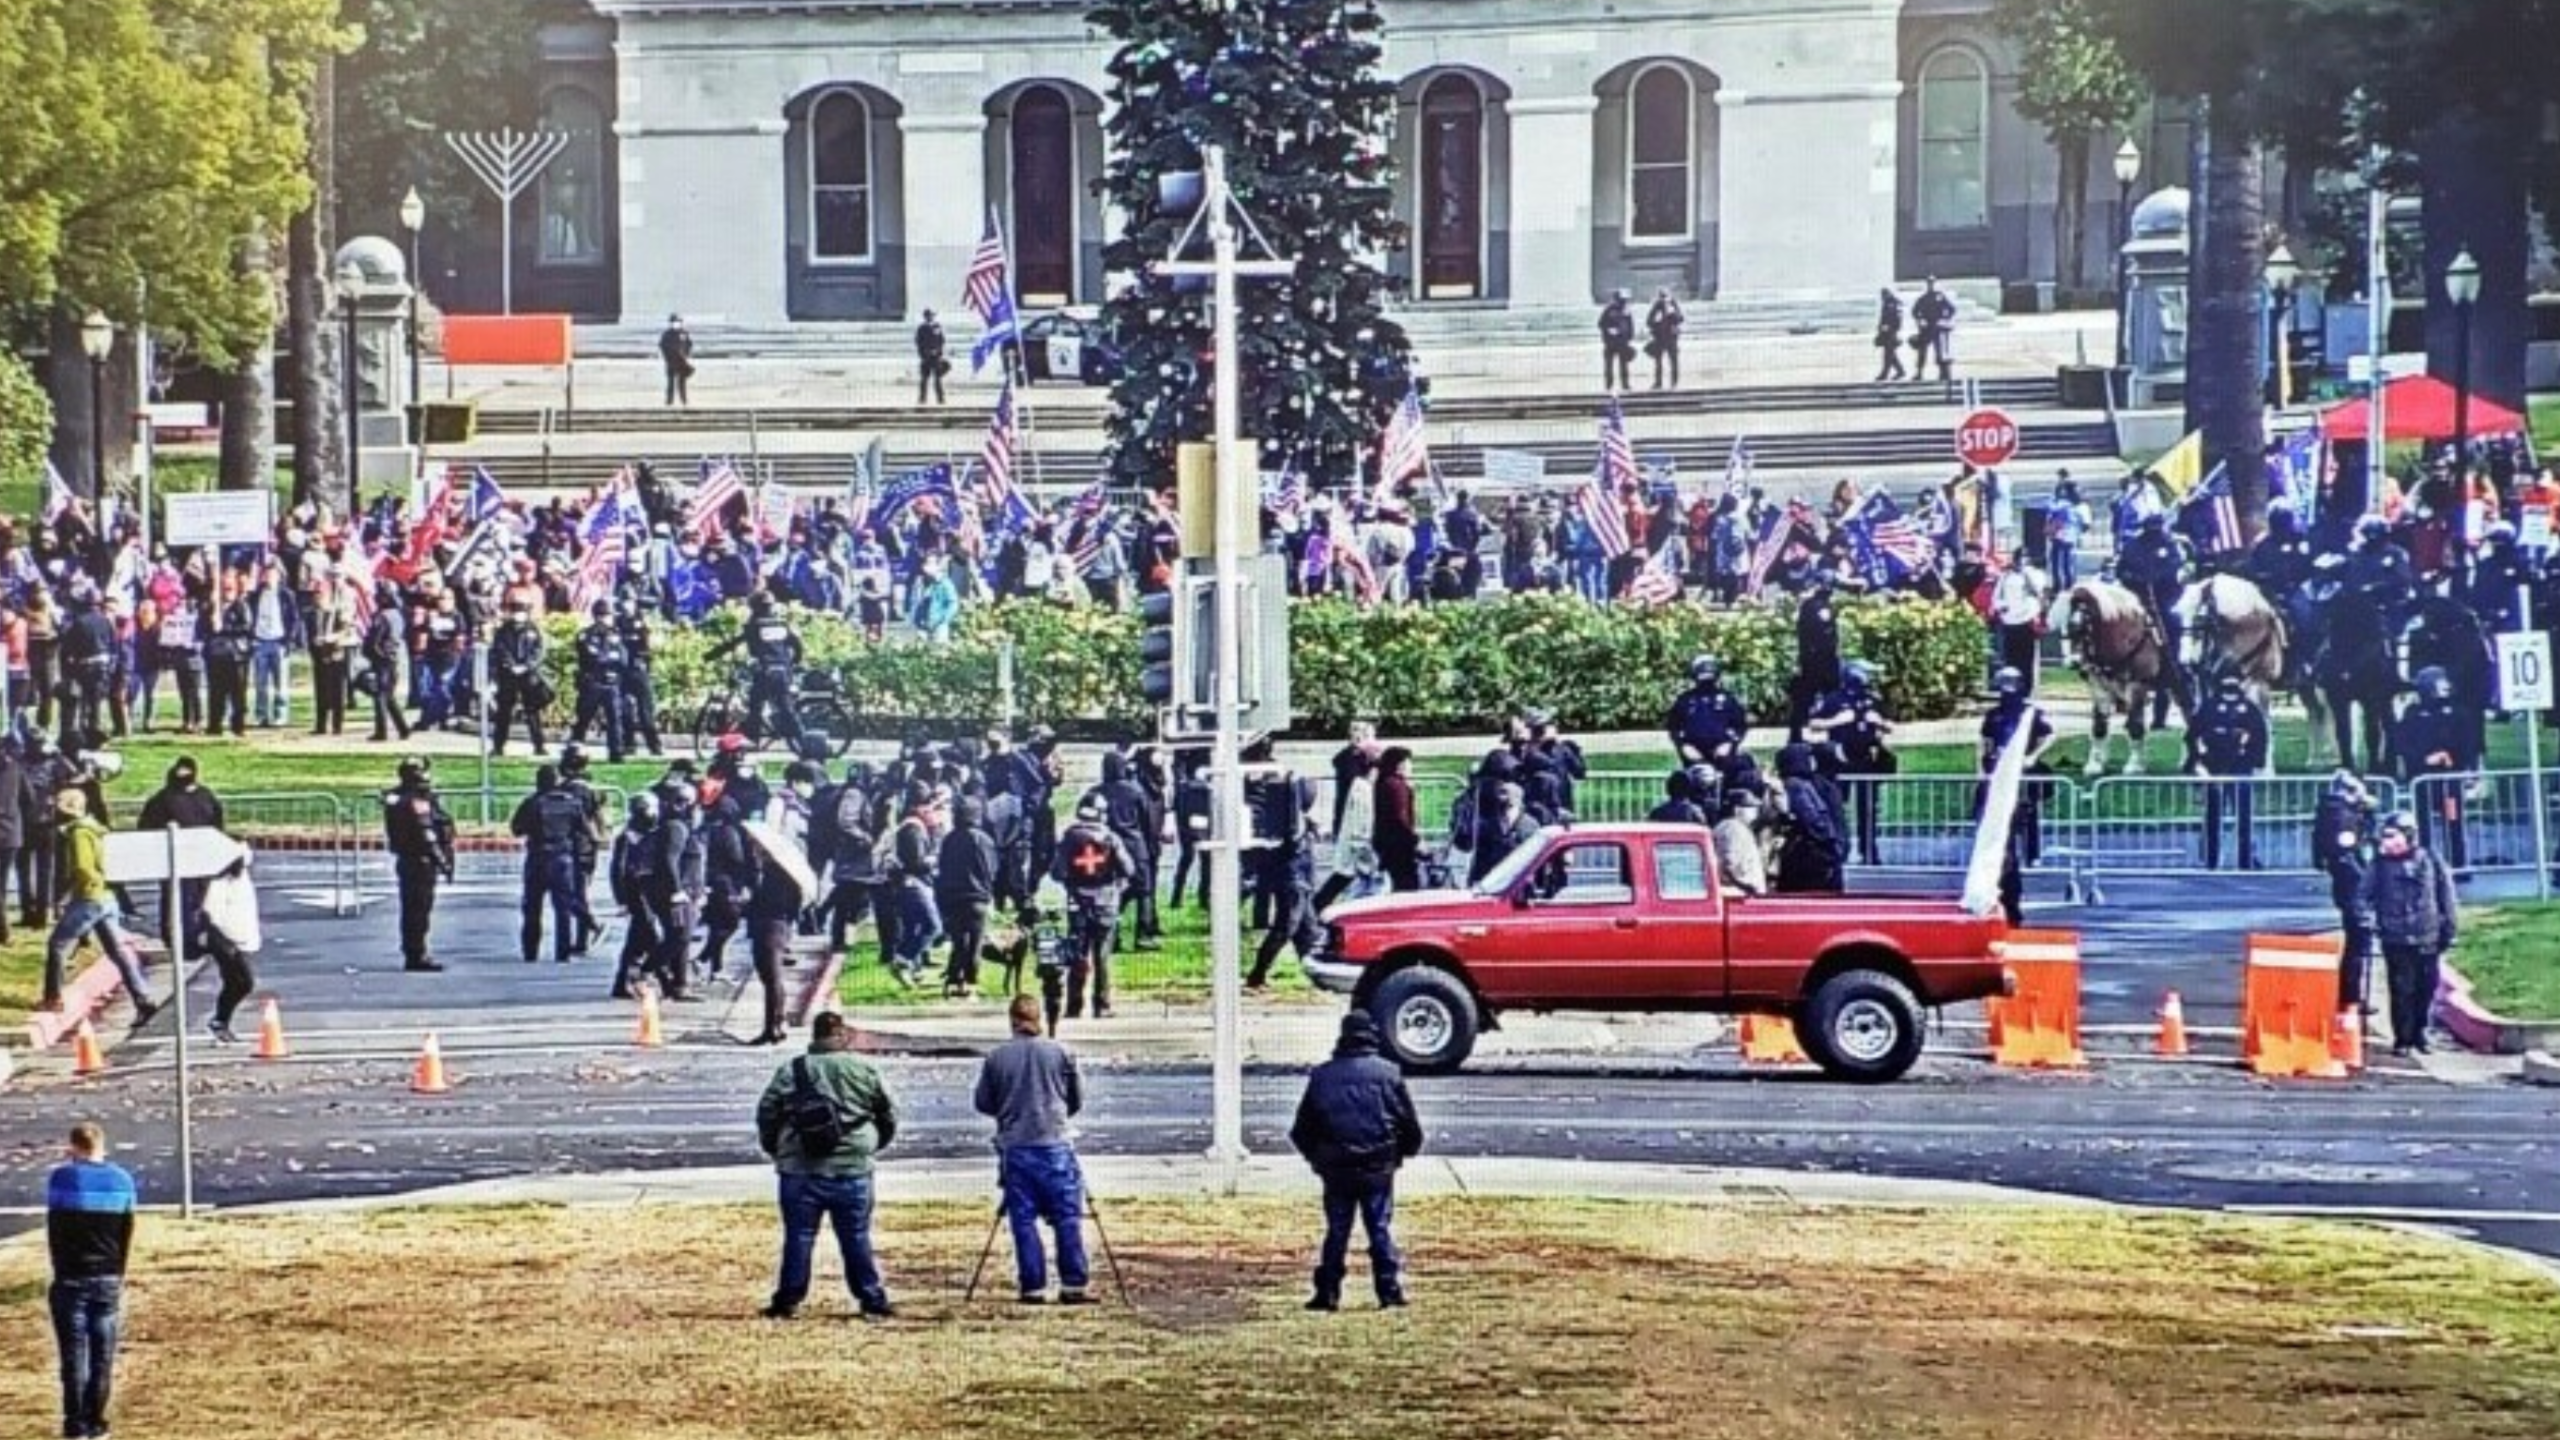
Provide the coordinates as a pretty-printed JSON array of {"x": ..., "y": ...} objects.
[
  {"x": 2118, "y": 649},
  {"x": 2449, "y": 635},
  {"x": 2231, "y": 628},
  {"x": 2349, "y": 671}
]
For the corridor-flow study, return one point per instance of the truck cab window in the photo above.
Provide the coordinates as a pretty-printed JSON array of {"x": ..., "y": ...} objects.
[
  {"x": 1585, "y": 875},
  {"x": 1680, "y": 872}
]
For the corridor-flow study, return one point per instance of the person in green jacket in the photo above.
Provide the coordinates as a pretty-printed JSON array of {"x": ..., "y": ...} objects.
[
  {"x": 90, "y": 911},
  {"x": 823, "y": 1118}
]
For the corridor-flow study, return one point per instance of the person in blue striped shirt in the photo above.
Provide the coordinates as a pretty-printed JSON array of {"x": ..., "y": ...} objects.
[{"x": 89, "y": 1204}]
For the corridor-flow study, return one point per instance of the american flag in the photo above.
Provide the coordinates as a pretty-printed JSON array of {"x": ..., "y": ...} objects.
[
  {"x": 1402, "y": 452},
  {"x": 355, "y": 573},
  {"x": 720, "y": 484},
  {"x": 1889, "y": 546},
  {"x": 1600, "y": 509},
  {"x": 2211, "y": 518},
  {"x": 1658, "y": 583},
  {"x": 606, "y": 538},
  {"x": 1085, "y": 545},
  {"x": 1287, "y": 497},
  {"x": 1351, "y": 558},
  {"x": 57, "y": 493},
  {"x": 1005, "y": 498},
  {"x": 1617, "y": 454},
  {"x": 984, "y": 290},
  {"x": 1783, "y": 533},
  {"x": 428, "y": 530},
  {"x": 1090, "y": 501},
  {"x": 1739, "y": 466}
]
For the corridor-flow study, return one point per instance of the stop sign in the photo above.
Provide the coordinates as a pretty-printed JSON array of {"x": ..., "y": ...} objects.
[{"x": 1987, "y": 439}]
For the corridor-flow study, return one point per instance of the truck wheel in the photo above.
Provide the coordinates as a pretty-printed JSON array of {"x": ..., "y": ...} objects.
[
  {"x": 1863, "y": 1027},
  {"x": 1426, "y": 1019}
]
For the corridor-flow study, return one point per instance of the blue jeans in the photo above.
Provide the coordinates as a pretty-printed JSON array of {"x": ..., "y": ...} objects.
[
  {"x": 88, "y": 1319},
  {"x": 84, "y": 919},
  {"x": 1373, "y": 1199},
  {"x": 435, "y": 691},
  {"x": 1591, "y": 577},
  {"x": 2062, "y": 562},
  {"x": 919, "y": 925},
  {"x": 266, "y": 676},
  {"x": 1044, "y": 1183},
  {"x": 843, "y": 1201}
]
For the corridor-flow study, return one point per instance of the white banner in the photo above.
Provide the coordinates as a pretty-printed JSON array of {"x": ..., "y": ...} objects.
[
  {"x": 1514, "y": 467},
  {"x": 222, "y": 517}
]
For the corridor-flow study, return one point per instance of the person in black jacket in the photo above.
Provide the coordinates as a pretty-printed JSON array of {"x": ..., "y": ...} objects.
[
  {"x": 552, "y": 823},
  {"x": 675, "y": 353},
  {"x": 964, "y": 891},
  {"x": 1356, "y": 1126},
  {"x": 728, "y": 873},
  {"x": 1817, "y": 657},
  {"x": 89, "y": 651},
  {"x": 49, "y": 773},
  {"x": 604, "y": 661},
  {"x": 1136, "y": 821},
  {"x": 772, "y": 909},
  {"x": 386, "y": 658},
  {"x": 2341, "y": 833},
  {"x": 420, "y": 836},
  {"x": 1662, "y": 325},
  {"x": 933, "y": 360},
  {"x": 1191, "y": 804},
  {"x": 235, "y": 627},
  {"x": 1617, "y": 344},
  {"x": 515, "y": 668},
  {"x": 1816, "y": 848},
  {"x": 17, "y": 799}
]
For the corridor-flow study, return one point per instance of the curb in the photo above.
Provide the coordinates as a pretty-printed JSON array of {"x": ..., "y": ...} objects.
[
  {"x": 2541, "y": 1069},
  {"x": 2483, "y": 1031},
  {"x": 85, "y": 995}
]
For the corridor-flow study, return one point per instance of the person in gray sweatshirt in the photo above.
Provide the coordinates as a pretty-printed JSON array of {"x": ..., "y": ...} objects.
[{"x": 1030, "y": 1087}]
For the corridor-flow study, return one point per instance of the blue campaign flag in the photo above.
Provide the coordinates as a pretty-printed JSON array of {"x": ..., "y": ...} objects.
[
  {"x": 930, "y": 483},
  {"x": 486, "y": 498},
  {"x": 1002, "y": 329}
]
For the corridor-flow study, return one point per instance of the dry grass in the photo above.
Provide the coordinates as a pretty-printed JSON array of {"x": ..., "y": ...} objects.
[{"x": 1530, "y": 1321}]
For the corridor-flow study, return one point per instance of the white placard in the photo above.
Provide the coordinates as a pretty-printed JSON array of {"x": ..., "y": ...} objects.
[
  {"x": 222, "y": 517},
  {"x": 1066, "y": 357},
  {"x": 2535, "y": 532},
  {"x": 2524, "y": 671},
  {"x": 1514, "y": 467}
]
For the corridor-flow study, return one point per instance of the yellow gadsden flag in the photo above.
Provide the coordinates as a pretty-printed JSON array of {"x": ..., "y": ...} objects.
[{"x": 2182, "y": 469}]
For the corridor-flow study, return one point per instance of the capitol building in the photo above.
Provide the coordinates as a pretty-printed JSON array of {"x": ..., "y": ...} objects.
[{"x": 773, "y": 162}]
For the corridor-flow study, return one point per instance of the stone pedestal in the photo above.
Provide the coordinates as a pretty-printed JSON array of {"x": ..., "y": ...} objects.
[{"x": 1551, "y": 148}]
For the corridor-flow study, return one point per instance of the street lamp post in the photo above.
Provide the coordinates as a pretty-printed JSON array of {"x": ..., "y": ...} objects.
[
  {"x": 350, "y": 290},
  {"x": 413, "y": 218},
  {"x": 2128, "y": 170},
  {"x": 98, "y": 342},
  {"x": 2283, "y": 274},
  {"x": 2462, "y": 287}
]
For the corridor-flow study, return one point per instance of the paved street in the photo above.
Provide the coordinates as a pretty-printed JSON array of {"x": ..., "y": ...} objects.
[{"x": 549, "y": 1084}]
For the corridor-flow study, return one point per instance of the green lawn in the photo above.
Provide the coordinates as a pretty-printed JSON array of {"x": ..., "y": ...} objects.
[
  {"x": 1176, "y": 974},
  {"x": 21, "y": 977},
  {"x": 2542, "y": 412},
  {"x": 355, "y": 773},
  {"x": 2511, "y": 955}
]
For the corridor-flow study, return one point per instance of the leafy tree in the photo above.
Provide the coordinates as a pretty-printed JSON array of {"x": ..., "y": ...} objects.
[
  {"x": 2073, "y": 81},
  {"x": 26, "y": 425},
  {"x": 1292, "y": 90}
]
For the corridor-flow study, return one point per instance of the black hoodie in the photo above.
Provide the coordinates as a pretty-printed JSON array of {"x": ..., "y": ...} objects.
[
  {"x": 966, "y": 868},
  {"x": 1356, "y": 1120}
]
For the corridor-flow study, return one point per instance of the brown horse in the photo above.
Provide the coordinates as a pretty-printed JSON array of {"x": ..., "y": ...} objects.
[{"x": 2119, "y": 650}]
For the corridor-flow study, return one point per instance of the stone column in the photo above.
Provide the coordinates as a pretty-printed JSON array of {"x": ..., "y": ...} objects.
[
  {"x": 1809, "y": 183},
  {"x": 702, "y": 221},
  {"x": 946, "y": 210},
  {"x": 1551, "y": 182}
]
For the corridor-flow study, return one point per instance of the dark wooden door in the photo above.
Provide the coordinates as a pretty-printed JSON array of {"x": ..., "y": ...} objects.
[
  {"x": 1044, "y": 198},
  {"x": 1452, "y": 193}
]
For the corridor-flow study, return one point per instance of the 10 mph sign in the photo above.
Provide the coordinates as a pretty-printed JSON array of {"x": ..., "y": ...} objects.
[{"x": 2524, "y": 671}]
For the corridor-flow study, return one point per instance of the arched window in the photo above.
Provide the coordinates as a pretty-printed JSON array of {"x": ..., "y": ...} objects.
[
  {"x": 1661, "y": 131},
  {"x": 571, "y": 203},
  {"x": 840, "y": 179},
  {"x": 1955, "y": 99}
]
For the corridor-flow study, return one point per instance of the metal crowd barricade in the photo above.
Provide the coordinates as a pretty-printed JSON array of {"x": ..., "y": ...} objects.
[
  {"x": 2156, "y": 824},
  {"x": 2483, "y": 823},
  {"x": 316, "y": 825}
]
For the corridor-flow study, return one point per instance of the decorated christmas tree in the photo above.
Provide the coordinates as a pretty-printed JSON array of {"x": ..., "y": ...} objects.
[{"x": 1291, "y": 89}]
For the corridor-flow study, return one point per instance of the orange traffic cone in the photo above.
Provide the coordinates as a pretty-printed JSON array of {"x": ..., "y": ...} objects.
[
  {"x": 271, "y": 1044},
  {"x": 428, "y": 1077},
  {"x": 2173, "y": 1026},
  {"x": 652, "y": 1034},
  {"x": 2346, "y": 1042},
  {"x": 1770, "y": 1040},
  {"x": 86, "y": 1057}
]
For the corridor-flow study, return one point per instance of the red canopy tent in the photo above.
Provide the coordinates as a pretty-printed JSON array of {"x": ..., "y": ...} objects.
[{"x": 2418, "y": 407}]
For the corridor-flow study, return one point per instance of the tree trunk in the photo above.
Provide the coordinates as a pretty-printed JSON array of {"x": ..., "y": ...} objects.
[
  {"x": 248, "y": 402},
  {"x": 69, "y": 380},
  {"x": 2071, "y": 213},
  {"x": 2226, "y": 350},
  {"x": 319, "y": 413},
  {"x": 2475, "y": 189}
]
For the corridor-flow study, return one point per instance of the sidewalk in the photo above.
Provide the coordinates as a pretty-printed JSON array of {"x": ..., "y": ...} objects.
[{"x": 1115, "y": 1177}]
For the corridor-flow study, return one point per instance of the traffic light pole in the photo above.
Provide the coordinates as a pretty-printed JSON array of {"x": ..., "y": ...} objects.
[{"x": 1231, "y": 831}]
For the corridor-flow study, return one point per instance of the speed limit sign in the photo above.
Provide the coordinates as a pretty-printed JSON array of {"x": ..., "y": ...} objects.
[{"x": 2524, "y": 671}]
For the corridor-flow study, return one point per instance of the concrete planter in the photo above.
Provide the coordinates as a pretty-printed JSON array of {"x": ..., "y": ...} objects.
[{"x": 2472, "y": 1023}]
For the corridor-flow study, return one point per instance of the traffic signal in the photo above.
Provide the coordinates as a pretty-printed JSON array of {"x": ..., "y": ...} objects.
[
  {"x": 1174, "y": 630},
  {"x": 1159, "y": 649}
]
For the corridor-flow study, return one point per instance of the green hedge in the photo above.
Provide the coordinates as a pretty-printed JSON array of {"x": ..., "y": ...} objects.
[{"x": 1417, "y": 669}]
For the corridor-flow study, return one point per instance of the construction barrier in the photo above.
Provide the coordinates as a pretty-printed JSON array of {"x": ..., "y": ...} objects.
[
  {"x": 1771, "y": 1040},
  {"x": 2289, "y": 1007},
  {"x": 2037, "y": 1025},
  {"x": 509, "y": 340}
]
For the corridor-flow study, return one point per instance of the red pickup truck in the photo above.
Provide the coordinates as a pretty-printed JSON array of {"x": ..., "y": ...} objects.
[{"x": 1633, "y": 918}]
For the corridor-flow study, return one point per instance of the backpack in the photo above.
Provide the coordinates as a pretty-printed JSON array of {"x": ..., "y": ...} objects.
[{"x": 812, "y": 1115}]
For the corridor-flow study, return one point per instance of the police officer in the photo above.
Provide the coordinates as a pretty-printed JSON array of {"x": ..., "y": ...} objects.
[
  {"x": 1817, "y": 656},
  {"x": 2154, "y": 568},
  {"x": 1617, "y": 344},
  {"x": 773, "y": 653},
  {"x": 2280, "y": 564},
  {"x": 591, "y": 838},
  {"x": 2378, "y": 569},
  {"x": 550, "y": 822},
  {"x": 681, "y": 884},
  {"x": 2435, "y": 744},
  {"x": 642, "y": 886},
  {"x": 2228, "y": 741},
  {"x": 2341, "y": 844},
  {"x": 420, "y": 835},
  {"x": 1093, "y": 866},
  {"x": 728, "y": 874},
  {"x": 1852, "y": 720},
  {"x": 2498, "y": 577},
  {"x": 515, "y": 667},
  {"x": 603, "y": 661},
  {"x": 639, "y": 691},
  {"x": 1707, "y": 723}
]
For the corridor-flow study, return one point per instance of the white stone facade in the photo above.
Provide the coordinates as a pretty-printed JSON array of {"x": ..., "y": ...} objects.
[{"x": 838, "y": 159}]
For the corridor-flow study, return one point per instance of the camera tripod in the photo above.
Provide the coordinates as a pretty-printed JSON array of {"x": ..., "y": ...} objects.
[{"x": 1092, "y": 1212}]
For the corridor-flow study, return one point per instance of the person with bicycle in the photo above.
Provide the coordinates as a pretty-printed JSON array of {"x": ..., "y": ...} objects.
[
  {"x": 773, "y": 657},
  {"x": 603, "y": 663}
]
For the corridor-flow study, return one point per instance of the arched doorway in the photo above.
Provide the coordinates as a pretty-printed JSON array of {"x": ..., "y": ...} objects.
[
  {"x": 1449, "y": 224},
  {"x": 1045, "y": 193}
]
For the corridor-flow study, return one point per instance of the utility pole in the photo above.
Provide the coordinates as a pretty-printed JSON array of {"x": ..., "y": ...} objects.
[{"x": 1230, "y": 830}]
